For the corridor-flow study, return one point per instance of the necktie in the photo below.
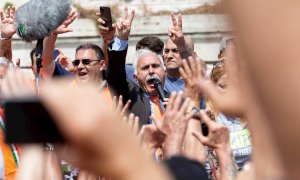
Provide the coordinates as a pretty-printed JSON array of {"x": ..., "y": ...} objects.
[
  {"x": 157, "y": 109},
  {"x": 158, "y": 112}
]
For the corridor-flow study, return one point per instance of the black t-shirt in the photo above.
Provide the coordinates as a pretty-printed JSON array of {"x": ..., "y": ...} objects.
[{"x": 185, "y": 169}]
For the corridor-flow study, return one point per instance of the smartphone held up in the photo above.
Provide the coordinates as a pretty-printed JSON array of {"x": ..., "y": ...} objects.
[{"x": 105, "y": 14}]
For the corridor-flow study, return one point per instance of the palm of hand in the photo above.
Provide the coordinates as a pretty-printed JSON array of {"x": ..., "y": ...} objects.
[
  {"x": 123, "y": 32},
  {"x": 172, "y": 121},
  {"x": 153, "y": 136},
  {"x": 218, "y": 136},
  {"x": 193, "y": 89},
  {"x": 62, "y": 29},
  {"x": 8, "y": 27},
  {"x": 179, "y": 38}
]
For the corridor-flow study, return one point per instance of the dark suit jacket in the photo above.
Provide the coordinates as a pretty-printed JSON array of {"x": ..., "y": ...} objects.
[{"x": 116, "y": 78}]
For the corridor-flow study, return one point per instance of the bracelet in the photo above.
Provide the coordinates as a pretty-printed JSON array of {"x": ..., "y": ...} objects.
[
  {"x": 195, "y": 111},
  {"x": 4, "y": 39}
]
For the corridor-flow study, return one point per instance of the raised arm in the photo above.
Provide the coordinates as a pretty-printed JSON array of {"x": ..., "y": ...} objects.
[
  {"x": 174, "y": 124},
  {"x": 116, "y": 74},
  {"x": 106, "y": 34},
  {"x": 177, "y": 36},
  {"x": 49, "y": 43},
  {"x": 218, "y": 138},
  {"x": 7, "y": 31}
]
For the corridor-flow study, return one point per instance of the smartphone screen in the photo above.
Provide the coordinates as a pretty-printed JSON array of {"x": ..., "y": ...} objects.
[
  {"x": 28, "y": 121},
  {"x": 106, "y": 16}
]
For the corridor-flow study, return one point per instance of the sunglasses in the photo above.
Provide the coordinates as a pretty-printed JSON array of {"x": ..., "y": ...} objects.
[{"x": 84, "y": 62}]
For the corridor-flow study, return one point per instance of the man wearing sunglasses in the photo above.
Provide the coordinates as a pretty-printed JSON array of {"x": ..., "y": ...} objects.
[{"x": 88, "y": 64}]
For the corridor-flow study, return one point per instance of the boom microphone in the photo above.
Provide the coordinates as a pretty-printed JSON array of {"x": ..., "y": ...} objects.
[
  {"x": 38, "y": 18},
  {"x": 159, "y": 89}
]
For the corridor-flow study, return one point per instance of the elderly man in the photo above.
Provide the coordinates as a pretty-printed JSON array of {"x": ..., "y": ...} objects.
[
  {"x": 147, "y": 67},
  {"x": 144, "y": 98}
]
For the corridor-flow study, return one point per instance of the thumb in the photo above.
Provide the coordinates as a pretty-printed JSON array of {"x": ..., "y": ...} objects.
[{"x": 199, "y": 136}]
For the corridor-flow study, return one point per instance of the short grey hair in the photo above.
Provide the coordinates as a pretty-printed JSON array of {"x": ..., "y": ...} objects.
[
  {"x": 5, "y": 62},
  {"x": 142, "y": 52}
]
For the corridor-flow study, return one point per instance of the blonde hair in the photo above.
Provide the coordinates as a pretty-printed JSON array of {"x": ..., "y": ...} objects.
[{"x": 216, "y": 73}]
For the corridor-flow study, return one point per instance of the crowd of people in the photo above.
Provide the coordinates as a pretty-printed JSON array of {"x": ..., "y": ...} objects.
[{"x": 237, "y": 123}]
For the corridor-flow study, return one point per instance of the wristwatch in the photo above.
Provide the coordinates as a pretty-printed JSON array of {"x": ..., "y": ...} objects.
[{"x": 4, "y": 38}]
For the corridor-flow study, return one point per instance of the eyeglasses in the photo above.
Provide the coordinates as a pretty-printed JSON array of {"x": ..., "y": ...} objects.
[{"x": 83, "y": 61}]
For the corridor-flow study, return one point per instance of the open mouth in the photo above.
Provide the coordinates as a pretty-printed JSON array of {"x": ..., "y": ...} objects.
[
  {"x": 82, "y": 73},
  {"x": 151, "y": 81}
]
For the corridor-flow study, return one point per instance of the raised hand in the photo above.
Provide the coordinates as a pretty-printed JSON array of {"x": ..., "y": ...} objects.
[
  {"x": 130, "y": 120},
  {"x": 192, "y": 74},
  {"x": 121, "y": 109},
  {"x": 17, "y": 84},
  {"x": 174, "y": 123},
  {"x": 106, "y": 33},
  {"x": 7, "y": 23},
  {"x": 151, "y": 137},
  {"x": 218, "y": 136},
  {"x": 230, "y": 101},
  {"x": 123, "y": 26},
  {"x": 176, "y": 34},
  {"x": 97, "y": 135},
  {"x": 121, "y": 29},
  {"x": 64, "y": 27},
  {"x": 64, "y": 61}
]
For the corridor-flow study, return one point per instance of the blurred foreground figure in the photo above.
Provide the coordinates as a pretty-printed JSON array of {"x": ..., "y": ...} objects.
[
  {"x": 272, "y": 70},
  {"x": 119, "y": 157},
  {"x": 267, "y": 80}
]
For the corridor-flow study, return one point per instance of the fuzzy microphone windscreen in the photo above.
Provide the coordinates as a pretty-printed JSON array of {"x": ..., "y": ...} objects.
[{"x": 38, "y": 18}]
